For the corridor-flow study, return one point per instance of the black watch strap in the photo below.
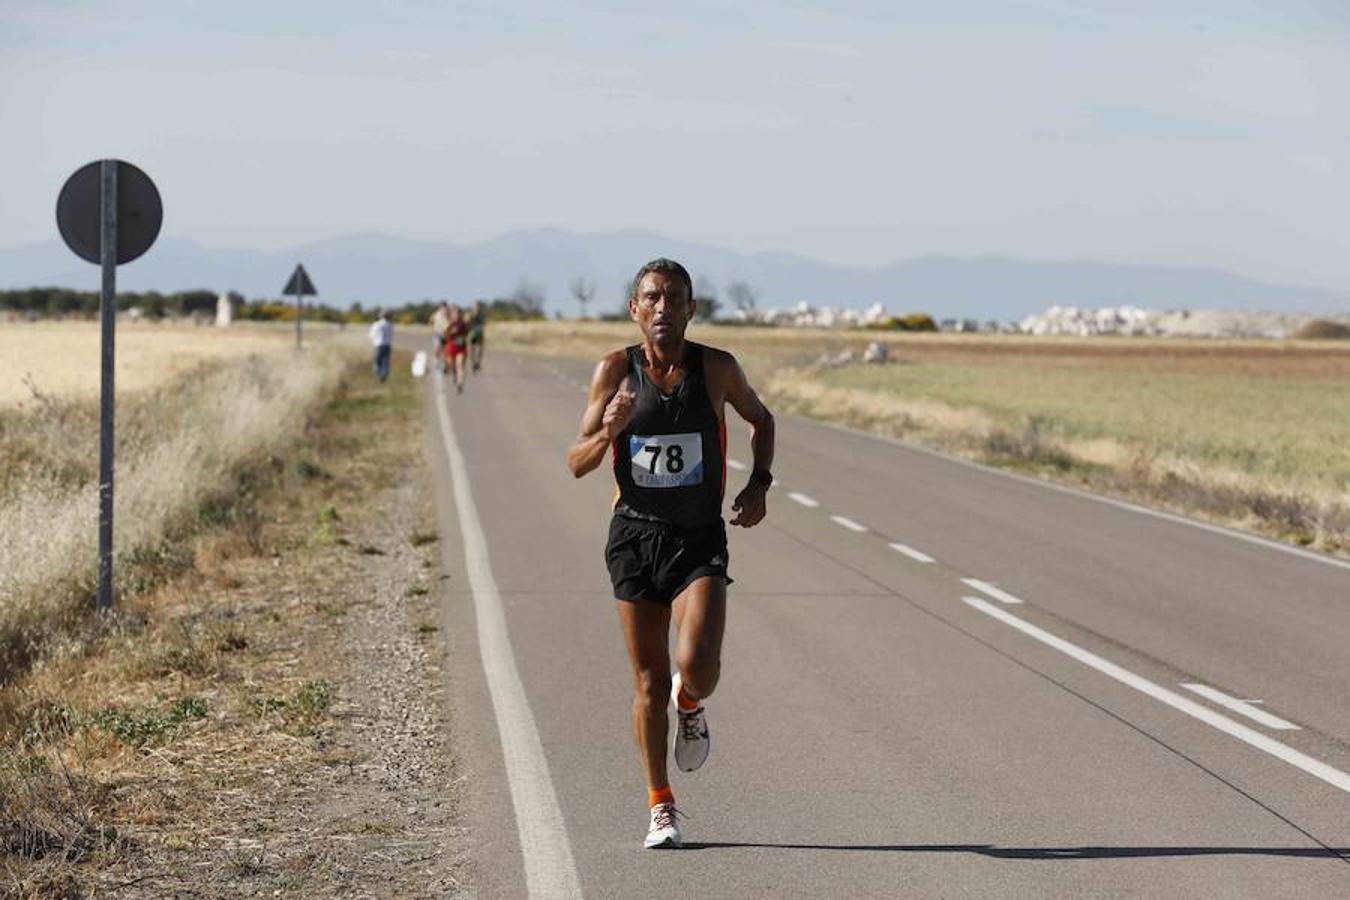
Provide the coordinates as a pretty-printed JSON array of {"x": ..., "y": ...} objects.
[{"x": 762, "y": 476}]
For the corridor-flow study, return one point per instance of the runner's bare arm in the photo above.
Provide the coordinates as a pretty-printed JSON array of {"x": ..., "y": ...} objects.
[
  {"x": 750, "y": 503},
  {"x": 609, "y": 407}
]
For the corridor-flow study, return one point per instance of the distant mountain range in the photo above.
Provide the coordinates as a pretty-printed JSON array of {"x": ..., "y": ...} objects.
[{"x": 378, "y": 269}]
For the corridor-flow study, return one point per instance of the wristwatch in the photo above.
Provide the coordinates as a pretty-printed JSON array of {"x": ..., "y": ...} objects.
[{"x": 762, "y": 476}]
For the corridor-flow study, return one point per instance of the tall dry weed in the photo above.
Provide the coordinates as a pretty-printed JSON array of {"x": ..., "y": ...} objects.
[{"x": 177, "y": 448}]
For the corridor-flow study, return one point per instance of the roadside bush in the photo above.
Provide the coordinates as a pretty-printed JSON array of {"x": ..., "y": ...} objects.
[
  {"x": 1323, "y": 330},
  {"x": 907, "y": 322}
]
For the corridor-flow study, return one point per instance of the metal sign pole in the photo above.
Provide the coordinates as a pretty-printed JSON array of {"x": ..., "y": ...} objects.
[
  {"x": 108, "y": 321},
  {"x": 109, "y": 213},
  {"x": 297, "y": 286}
]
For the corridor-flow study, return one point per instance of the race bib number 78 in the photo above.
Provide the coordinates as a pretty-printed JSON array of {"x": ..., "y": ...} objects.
[{"x": 666, "y": 460}]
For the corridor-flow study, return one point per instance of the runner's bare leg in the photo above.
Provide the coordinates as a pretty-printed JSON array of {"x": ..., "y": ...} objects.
[
  {"x": 700, "y": 613},
  {"x": 646, "y": 630}
]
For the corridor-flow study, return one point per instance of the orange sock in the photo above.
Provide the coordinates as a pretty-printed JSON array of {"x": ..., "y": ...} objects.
[
  {"x": 684, "y": 701},
  {"x": 657, "y": 796}
]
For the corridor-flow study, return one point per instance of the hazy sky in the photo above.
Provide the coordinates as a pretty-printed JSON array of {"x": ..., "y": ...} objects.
[{"x": 1213, "y": 132}]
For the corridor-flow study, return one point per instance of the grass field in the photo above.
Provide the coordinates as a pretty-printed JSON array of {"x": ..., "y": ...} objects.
[
  {"x": 212, "y": 407},
  {"x": 203, "y": 740},
  {"x": 61, "y": 359},
  {"x": 1245, "y": 433}
]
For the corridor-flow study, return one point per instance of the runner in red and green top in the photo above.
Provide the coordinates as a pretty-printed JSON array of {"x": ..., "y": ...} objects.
[{"x": 457, "y": 344}]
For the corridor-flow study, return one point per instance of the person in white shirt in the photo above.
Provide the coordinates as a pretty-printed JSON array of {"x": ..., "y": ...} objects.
[{"x": 382, "y": 339}]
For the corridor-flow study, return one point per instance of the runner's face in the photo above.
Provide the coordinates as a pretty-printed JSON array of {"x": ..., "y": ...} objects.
[{"x": 662, "y": 308}]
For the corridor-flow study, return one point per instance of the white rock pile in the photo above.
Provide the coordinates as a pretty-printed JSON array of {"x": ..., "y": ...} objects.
[
  {"x": 804, "y": 315},
  {"x": 1081, "y": 321},
  {"x": 1131, "y": 320}
]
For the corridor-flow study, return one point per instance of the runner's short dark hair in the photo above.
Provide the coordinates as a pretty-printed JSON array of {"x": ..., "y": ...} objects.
[{"x": 668, "y": 267}]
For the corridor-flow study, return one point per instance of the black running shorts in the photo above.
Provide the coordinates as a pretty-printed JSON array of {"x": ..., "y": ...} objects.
[{"x": 654, "y": 561}]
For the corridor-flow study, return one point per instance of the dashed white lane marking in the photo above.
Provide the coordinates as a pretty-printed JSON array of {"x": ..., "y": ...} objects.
[
  {"x": 803, "y": 500},
  {"x": 1315, "y": 767},
  {"x": 913, "y": 554},
  {"x": 985, "y": 587},
  {"x": 736, "y": 464},
  {"x": 1243, "y": 707},
  {"x": 848, "y": 523},
  {"x": 549, "y": 868}
]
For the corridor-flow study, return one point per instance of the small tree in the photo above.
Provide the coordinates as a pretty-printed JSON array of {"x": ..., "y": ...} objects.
[
  {"x": 705, "y": 300},
  {"x": 529, "y": 295},
  {"x": 743, "y": 296},
  {"x": 583, "y": 290},
  {"x": 621, "y": 314}
]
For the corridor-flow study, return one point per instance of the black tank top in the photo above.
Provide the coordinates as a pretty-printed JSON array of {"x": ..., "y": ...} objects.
[{"x": 670, "y": 463}]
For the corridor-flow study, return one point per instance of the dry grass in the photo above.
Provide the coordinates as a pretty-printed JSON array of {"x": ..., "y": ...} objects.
[
  {"x": 179, "y": 450},
  {"x": 184, "y": 748},
  {"x": 1275, "y": 426},
  {"x": 61, "y": 359},
  {"x": 1246, "y": 433}
]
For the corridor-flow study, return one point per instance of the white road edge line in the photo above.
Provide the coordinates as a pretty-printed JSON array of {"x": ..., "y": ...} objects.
[
  {"x": 1241, "y": 706},
  {"x": 985, "y": 587},
  {"x": 1315, "y": 767},
  {"x": 803, "y": 500},
  {"x": 1067, "y": 489},
  {"x": 909, "y": 551},
  {"x": 736, "y": 464},
  {"x": 550, "y": 870},
  {"x": 848, "y": 523}
]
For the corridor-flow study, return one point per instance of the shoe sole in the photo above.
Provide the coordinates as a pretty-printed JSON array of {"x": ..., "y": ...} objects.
[{"x": 666, "y": 844}]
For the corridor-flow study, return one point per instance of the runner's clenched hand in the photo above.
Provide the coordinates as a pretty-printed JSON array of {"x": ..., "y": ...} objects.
[
  {"x": 749, "y": 506},
  {"x": 618, "y": 413}
]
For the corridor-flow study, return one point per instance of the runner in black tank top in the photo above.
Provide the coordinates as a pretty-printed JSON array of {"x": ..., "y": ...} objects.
[
  {"x": 657, "y": 409},
  {"x": 670, "y": 462}
]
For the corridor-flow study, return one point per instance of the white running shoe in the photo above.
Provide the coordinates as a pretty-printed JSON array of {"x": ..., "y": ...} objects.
[
  {"x": 663, "y": 832},
  {"x": 692, "y": 741}
]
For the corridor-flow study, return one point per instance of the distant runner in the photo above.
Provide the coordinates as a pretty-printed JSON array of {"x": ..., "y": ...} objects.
[
  {"x": 381, "y": 340},
  {"x": 457, "y": 345},
  {"x": 477, "y": 325},
  {"x": 440, "y": 321},
  {"x": 658, "y": 408}
]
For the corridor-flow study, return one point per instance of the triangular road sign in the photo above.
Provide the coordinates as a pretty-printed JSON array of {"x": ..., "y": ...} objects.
[{"x": 299, "y": 285}]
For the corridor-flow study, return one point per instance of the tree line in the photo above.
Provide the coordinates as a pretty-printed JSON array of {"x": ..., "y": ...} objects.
[
  {"x": 63, "y": 302},
  {"x": 54, "y": 302},
  {"x": 525, "y": 302}
]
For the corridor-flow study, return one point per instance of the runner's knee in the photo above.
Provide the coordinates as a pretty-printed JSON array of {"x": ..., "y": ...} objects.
[
  {"x": 699, "y": 671},
  {"x": 698, "y": 655}
]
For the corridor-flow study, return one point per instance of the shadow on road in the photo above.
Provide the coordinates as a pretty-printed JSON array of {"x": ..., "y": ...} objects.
[{"x": 1041, "y": 852}]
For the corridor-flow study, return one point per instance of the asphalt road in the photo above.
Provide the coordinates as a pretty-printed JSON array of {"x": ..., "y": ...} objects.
[{"x": 884, "y": 727}]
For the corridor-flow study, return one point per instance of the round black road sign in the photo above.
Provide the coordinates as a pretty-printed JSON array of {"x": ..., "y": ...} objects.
[{"x": 139, "y": 212}]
